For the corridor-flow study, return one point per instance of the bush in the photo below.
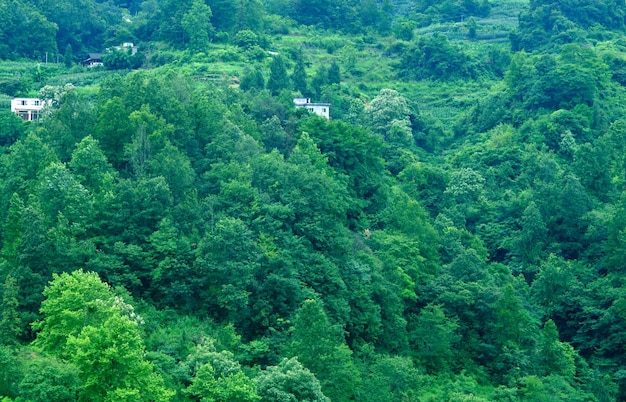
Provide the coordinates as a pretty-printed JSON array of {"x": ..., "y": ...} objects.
[{"x": 246, "y": 39}]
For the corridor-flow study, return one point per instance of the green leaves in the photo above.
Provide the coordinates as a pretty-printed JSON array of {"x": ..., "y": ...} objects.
[
  {"x": 278, "y": 79},
  {"x": 218, "y": 377},
  {"x": 85, "y": 324},
  {"x": 289, "y": 381},
  {"x": 197, "y": 25},
  {"x": 320, "y": 347}
]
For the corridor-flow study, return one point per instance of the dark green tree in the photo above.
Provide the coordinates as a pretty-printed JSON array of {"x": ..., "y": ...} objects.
[
  {"x": 299, "y": 76},
  {"x": 278, "y": 79},
  {"x": 433, "y": 338},
  {"x": 113, "y": 130},
  {"x": 319, "y": 80},
  {"x": 117, "y": 60},
  {"x": 334, "y": 74},
  {"x": 48, "y": 379},
  {"x": 532, "y": 237},
  {"x": 68, "y": 56},
  {"x": 10, "y": 372},
  {"x": 11, "y": 128},
  {"x": 252, "y": 78},
  {"x": 10, "y": 322}
]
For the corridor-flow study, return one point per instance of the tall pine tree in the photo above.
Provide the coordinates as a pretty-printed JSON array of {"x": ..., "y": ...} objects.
[{"x": 279, "y": 79}]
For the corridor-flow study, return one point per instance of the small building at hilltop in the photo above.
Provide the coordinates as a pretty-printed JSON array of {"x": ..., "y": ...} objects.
[
  {"x": 320, "y": 109},
  {"x": 28, "y": 109}
]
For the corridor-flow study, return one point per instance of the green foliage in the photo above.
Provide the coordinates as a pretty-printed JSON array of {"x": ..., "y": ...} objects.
[
  {"x": 48, "y": 378},
  {"x": 117, "y": 60},
  {"x": 218, "y": 377},
  {"x": 197, "y": 25},
  {"x": 11, "y": 128},
  {"x": 68, "y": 56},
  {"x": 10, "y": 372},
  {"x": 407, "y": 249},
  {"x": 387, "y": 111},
  {"x": 252, "y": 79},
  {"x": 321, "y": 349},
  {"x": 433, "y": 339},
  {"x": 299, "y": 77},
  {"x": 235, "y": 387},
  {"x": 10, "y": 325},
  {"x": 389, "y": 378},
  {"x": 26, "y": 31},
  {"x": 287, "y": 381},
  {"x": 278, "y": 79},
  {"x": 85, "y": 324},
  {"x": 548, "y": 23},
  {"x": 436, "y": 58},
  {"x": 334, "y": 74}
]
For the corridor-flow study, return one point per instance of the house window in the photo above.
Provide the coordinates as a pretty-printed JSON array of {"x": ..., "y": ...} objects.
[
  {"x": 34, "y": 115},
  {"x": 324, "y": 110},
  {"x": 23, "y": 103},
  {"x": 37, "y": 102}
]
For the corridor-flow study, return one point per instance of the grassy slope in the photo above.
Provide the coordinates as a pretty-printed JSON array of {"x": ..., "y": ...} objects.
[{"x": 365, "y": 66}]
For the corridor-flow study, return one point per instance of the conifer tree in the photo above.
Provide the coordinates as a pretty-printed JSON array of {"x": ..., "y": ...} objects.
[
  {"x": 279, "y": 79},
  {"x": 68, "y": 56},
  {"x": 10, "y": 326},
  {"x": 334, "y": 74},
  {"x": 299, "y": 77}
]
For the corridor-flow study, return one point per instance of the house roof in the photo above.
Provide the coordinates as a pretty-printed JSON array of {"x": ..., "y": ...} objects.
[{"x": 94, "y": 56}]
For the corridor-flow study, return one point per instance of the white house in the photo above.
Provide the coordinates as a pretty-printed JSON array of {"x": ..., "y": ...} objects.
[
  {"x": 27, "y": 108},
  {"x": 320, "y": 109},
  {"x": 128, "y": 45}
]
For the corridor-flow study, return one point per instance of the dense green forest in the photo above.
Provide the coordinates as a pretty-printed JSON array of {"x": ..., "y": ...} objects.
[{"x": 173, "y": 229}]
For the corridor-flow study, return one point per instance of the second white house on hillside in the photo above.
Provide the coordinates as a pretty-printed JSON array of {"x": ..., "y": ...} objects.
[{"x": 320, "y": 109}]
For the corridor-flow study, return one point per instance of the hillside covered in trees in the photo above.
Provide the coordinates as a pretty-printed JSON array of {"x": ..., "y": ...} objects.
[{"x": 172, "y": 228}]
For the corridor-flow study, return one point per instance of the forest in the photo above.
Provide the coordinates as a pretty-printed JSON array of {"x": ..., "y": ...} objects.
[{"x": 172, "y": 228}]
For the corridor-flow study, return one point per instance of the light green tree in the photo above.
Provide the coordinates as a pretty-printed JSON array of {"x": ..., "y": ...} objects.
[
  {"x": 554, "y": 356},
  {"x": 389, "y": 110},
  {"x": 289, "y": 381},
  {"x": 197, "y": 25},
  {"x": 320, "y": 347},
  {"x": 209, "y": 386},
  {"x": 84, "y": 323},
  {"x": 218, "y": 377}
]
